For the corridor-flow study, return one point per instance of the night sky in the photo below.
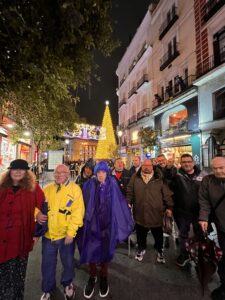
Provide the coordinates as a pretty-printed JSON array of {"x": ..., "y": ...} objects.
[{"x": 127, "y": 16}]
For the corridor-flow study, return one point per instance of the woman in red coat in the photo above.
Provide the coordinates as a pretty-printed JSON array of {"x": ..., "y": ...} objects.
[{"x": 20, "y": 201}]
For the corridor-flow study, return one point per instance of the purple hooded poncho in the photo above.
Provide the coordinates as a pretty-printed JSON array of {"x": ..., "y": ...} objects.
[{"x": 108, "y": 221}]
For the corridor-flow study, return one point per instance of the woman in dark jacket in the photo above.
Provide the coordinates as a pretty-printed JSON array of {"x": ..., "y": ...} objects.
[{"x": 20, "y": 201}]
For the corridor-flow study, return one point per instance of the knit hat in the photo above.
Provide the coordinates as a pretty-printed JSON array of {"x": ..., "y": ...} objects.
[
  {"x": 101, "y": 166},
  {"x": 19, "y": 164}
]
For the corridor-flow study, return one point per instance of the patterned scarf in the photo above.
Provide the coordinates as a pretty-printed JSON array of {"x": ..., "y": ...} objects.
[{"x": 146, "y": 177}]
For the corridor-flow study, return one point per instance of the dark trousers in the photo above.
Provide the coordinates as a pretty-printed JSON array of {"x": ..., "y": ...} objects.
[
  {"x": 103, "y": 269},
  {"x": 142, "y": 232},
  {"x": 221, "y": 265},
  {"x": 12, "y": 278},
  {"x": 50, "y": 251},
  {"x": 184, "y": 224}
]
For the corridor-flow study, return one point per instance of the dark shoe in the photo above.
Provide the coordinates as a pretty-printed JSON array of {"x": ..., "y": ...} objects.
[
  {"x": 182, "y": 260},
  {"x": 69, "y": 292},
  {"x": 89, "y": 288},
  {"x": 104, "y": 287},
  {"x": 218, "y": 293}
]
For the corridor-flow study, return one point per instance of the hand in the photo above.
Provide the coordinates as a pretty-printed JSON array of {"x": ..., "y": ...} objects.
[
  {"x": 68, "y": 240},
  {"x": 169, "y": 213},
  {"x": 41, "y": 218},
  {"x": 35, "y": 239},
  {"x": 204, "y": 225}
]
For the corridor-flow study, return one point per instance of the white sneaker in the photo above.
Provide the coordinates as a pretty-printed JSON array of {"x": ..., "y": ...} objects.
[
  {"x": 140, "y": 255},
  {"x": 46, "y": 296},
  {"x": 69, "y": 292}
]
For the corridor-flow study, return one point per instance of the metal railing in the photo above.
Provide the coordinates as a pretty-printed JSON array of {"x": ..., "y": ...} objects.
[
  {"x": 132, "y": 91},
  {"x": 132, "y": 120},
  {"x": 143, "y": 113},
  {"x": 143, "y": 79},
  {"x": 168, "y": 57},
  {"x": 210, "y": 63},
  {"x": 168, "y": 23},
  {"x": 122, "y": 102}
]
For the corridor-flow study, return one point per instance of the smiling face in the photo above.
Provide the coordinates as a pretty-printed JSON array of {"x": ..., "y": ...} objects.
[
  {"x": 187, "y": 164},
  {"x": 61, "y": 174},
  {"x": 17, "y": 175}
]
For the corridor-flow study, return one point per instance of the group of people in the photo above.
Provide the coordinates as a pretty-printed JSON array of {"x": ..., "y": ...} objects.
[
  {"x": 98, "y": 217},
  {"x": 96, "y": 213}
]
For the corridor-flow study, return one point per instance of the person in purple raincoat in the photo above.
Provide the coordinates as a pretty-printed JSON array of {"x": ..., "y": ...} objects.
[{"x": 108, "y": 222}]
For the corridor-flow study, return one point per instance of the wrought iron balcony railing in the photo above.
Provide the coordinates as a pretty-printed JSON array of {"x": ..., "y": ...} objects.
[
  {"x": 132, "y": 91},
  {"x": 143, "y": 113},
  {"x": 168, "y": 57},
  {"x": 210, "y": 63},
  {"x": 168, "y": 23},
  {"x": 132, "y": 120},
  {"x": 143, "y": 79},
  {"x": 122, "y": 102}
]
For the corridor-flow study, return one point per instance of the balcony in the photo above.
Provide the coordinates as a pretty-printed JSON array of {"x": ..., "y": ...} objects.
[
  {"x": 210, "y": 63},
  {"x": 179, "y": 128},
  {"x": 122, "y": 126},
  {"x": 122, "y": 80},
  {"x": 143, "y": 113},
  {"x": 143, "y": 80},
  {"x": 168, "y": 23},
  {"x": 132, "y": 120},
  {"x": 142, "y": 51},
  {"x": 211, "y": 7},
  {"x": 122, "y": 102},
  {"x": 132, "y": 92},
  {"x": 168, "y": 58},
  {"x": 181, "y": 86},
  {"x": 153, "y": 5}
]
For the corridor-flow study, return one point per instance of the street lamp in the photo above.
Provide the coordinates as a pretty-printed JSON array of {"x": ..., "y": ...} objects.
[
  {"x": 67, "y": 142},
  {"x": 120, "y": 133}
]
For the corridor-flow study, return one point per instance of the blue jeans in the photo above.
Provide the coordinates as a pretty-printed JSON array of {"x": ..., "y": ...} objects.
[{"x": 50, "y": 251}]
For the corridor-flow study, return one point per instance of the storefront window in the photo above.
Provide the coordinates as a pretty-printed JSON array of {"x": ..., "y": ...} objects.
[{"x": 178, "y": 120}]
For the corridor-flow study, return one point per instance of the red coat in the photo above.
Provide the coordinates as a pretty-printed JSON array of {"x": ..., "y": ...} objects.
[{"x": 17, "y": 222}]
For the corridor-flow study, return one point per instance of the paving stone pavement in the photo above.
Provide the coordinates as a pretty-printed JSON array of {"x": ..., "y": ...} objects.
[{"x": 128, "y": 278}]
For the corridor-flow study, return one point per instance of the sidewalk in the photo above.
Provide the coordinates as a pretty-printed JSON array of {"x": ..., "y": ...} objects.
[{"x": 128, "y": 278}]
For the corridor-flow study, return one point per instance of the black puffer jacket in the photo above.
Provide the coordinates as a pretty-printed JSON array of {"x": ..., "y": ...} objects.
[
  {"x": 185, "y": 188},
  {"x": 211, "y": 192}
]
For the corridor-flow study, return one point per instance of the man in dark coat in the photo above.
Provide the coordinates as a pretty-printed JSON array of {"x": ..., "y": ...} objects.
[
  {"x": 186, "y": 207},
  {"x": 150, "y": 198},
  {"x": 212, "y": 199},
  {"x": 121, "y": 175},
  {"x": 136, "y": 164}
]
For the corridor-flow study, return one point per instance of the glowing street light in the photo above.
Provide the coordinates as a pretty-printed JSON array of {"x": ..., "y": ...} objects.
[{"x": 120, "y": 133}]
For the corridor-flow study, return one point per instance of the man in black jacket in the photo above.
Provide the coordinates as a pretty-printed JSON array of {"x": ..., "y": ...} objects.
[
  {"x": 121, "y": 175},
  {"x": 186, "y": 209},
  {"x": 212, "y": 199}
]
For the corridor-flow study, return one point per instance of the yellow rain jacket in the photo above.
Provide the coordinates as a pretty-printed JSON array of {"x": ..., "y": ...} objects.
[{"x": 65, "y": 210}]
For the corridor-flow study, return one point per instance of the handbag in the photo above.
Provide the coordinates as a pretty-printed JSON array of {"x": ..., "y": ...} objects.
[{"x": 167, "y": 224}]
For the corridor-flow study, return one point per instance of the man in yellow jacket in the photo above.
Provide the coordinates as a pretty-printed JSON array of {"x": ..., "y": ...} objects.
[{"x": 65, "y": 216}]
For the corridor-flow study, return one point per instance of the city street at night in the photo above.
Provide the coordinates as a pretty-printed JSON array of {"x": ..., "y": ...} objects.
[{"x": 128, "y": 278}]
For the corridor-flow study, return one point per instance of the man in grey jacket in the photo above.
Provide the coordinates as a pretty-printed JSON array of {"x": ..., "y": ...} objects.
[
  {"x": 150, "y": 198},
  {"x": 212, "y": 199}
]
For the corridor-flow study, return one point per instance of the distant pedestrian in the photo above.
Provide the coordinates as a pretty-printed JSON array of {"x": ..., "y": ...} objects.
[
  {"x": 150, "y": 198},
  {"x": 107, "y": 223},
  {"x": 65, "y": 216},
  {"x": 212, "y": 200},
  {"x": 20, "y": 201},
  {"x": 86, "y": 173}
]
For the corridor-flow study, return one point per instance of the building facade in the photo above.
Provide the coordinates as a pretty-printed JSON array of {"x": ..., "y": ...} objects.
[{"x": 184, "y": 72}]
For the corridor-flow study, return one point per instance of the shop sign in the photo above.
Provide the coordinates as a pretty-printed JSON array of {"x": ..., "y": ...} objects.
[{"x": 176, "y": 141}]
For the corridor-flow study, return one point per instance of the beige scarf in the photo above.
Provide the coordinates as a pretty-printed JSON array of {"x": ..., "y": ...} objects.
[{"x": 146, "y": 177}]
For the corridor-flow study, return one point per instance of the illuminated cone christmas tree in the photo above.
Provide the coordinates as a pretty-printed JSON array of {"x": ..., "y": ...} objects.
[{"x": 106, "y": 147}]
